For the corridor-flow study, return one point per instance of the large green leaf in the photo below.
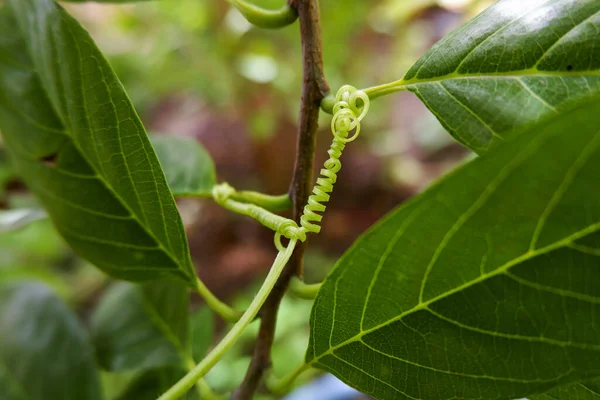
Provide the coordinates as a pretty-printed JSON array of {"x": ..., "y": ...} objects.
[
  {"x": 44, "y": 352},
  {"x": 189, "y": 169},
  {"x": 139, "y": 326},
  {"x": 80, "y": 146},
  {"x": 575, "y": 391},
  {"x": 485, "y": 286},
  {"x": 515, "y": 63}
]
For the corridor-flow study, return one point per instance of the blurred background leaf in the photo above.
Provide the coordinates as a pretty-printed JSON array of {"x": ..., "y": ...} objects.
[
  {"x": 202, "y": 327},
  {"x": 139, "y": 326},
  {"x": 187, "y": 165},
  {"x": 153, "y": 383},
  {"x": 44, "y": 352},
  {"x": 11, "y": 220}
]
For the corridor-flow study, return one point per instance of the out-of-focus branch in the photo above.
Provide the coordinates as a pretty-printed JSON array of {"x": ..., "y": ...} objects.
[{"x": 269, "y": 19}]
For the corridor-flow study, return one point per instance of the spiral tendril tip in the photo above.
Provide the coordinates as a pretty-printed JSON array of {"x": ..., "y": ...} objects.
[{"x": 351, "y": 106}]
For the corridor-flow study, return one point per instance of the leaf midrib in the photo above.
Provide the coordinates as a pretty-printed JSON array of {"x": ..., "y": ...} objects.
[
  {"x": 531, "y": 72},
  {"x": 565, "y": 242},
  {"x": 407, "y": 84}
]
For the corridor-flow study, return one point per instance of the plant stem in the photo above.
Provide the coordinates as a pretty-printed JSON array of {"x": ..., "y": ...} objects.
[
  {"x": 314, "y": 88},
  {"x": 269, "y": 19},
  {"x": 222, "y": 309},
  {"x": 283, "y": 385},
  {"x": 190, "y": 379},
  {"x": 304, "y": 290}
]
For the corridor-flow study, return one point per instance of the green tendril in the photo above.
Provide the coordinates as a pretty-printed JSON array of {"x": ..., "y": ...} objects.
[
  {"x": 349, "y": 109},
  {"x": 303, "y": 290},
  {"x": 268, "y": 202},
  {"x": 351, "y": 106}
]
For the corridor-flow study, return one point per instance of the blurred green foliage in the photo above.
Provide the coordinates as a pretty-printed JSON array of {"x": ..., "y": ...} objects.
[{"x": 207, "y": 49}]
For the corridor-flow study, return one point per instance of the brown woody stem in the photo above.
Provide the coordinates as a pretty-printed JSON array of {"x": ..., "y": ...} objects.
[{"x": 314, "y": 88}]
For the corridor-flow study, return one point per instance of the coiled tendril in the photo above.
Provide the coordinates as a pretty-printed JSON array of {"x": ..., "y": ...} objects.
[{"x": 351, "y": 106}]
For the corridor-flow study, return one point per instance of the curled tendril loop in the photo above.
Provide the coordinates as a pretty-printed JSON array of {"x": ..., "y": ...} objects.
[
  {"x": 350, "y": 108},
  {"x": 222, "y": 192},
  {"x": 290, "y": 230}
]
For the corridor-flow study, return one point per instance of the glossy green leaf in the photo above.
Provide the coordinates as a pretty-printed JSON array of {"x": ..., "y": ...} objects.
[
  {"x": 515, "y": 63},
  {"x": 485, "y": 286},
  {"x": 44, "y": 351},
  {"x": 81, "y": 148},
  {"x": 575, "y": 391},
  {"x": 11, "y": 220},
  {"x": 202, "y": 327},
  {"x": 189, "y": 169},
  {"x": 139, "y": 326},
  {"x": 155, "y": 382}
]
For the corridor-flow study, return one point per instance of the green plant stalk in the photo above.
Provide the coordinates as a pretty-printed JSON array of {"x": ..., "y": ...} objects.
[
  {"x": 268, "y": 202},
  {"x": 193, "y": 376},
  {"x": 387, "y": 88},
  {"x": 269, "y": 19},
  {"x": 283, "y": 385},
  {"x": 304, "y": 290},
  {"x": 222, "y": 309}
]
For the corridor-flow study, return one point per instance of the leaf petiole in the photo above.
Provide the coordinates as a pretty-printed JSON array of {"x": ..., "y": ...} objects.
[
  {"x": 373, "y": 92},
  {"x": 222, "y": 309},
  {"x": 304, "y": 290},
  {"x": 385, "y": 89},
  {"x": 284, "y": 385}
]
